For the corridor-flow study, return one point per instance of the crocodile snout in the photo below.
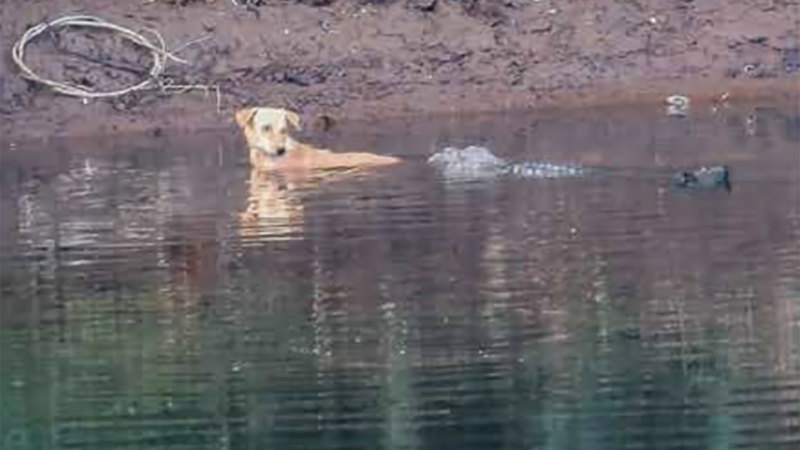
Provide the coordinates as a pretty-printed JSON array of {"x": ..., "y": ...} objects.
[{"x": 714, "y": 177}]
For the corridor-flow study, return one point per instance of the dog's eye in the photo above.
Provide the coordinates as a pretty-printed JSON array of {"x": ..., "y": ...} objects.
[{"x": 266, "y": 128}]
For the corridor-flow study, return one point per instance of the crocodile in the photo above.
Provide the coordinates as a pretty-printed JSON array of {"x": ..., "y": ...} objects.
[{"x": 477, "y": 163}]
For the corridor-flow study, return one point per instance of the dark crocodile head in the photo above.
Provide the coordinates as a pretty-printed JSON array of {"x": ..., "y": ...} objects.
[{"x": 714, "y": 177}]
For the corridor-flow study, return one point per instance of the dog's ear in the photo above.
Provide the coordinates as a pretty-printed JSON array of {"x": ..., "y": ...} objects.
[
  {"x": 244, "y": 117},
  {"x": 293, "y": 119}
]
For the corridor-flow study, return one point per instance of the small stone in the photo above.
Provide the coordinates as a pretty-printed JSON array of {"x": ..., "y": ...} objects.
[{"x": 422, "y": 5}]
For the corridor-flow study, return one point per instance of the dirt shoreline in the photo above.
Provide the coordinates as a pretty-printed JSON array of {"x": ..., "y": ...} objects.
[{"x": 369, "y": 60}]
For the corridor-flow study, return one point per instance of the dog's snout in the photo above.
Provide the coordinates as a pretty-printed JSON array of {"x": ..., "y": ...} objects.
[{"x": 280, "y": 151}]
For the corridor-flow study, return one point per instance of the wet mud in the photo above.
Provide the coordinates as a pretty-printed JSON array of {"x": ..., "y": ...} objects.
[{"x": 335, "y": 60}]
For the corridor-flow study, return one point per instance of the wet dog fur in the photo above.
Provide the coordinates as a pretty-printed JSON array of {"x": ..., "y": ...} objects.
[{"x": 268, "y": 135}]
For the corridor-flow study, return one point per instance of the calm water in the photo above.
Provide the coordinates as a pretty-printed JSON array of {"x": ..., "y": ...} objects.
[{"x": 156, "y": 296}]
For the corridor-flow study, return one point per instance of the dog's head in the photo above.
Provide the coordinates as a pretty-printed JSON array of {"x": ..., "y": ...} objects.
[{"x": 267, "y": 129}]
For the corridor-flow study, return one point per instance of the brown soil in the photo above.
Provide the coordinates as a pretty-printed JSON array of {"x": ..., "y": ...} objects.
[{"x": 372, "y": 59}]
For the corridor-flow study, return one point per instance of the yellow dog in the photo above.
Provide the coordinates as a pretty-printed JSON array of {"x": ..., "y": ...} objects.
[
  {"x": 273, "y": 148},
  {"x": 283, "y": 168}
]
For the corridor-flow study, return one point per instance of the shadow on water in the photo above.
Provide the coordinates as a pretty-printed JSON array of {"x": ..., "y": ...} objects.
[{"x": 155, "y": 294}]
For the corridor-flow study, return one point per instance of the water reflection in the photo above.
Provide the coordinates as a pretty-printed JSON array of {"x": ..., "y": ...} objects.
[
  {"x": 275, "y": 200},
  {"x": 143, "y": 308},
  {"x": 274, "y": 208}
]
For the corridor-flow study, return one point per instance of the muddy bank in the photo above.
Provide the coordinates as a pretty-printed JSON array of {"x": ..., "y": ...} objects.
[{"x": 370, "y": 59}]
